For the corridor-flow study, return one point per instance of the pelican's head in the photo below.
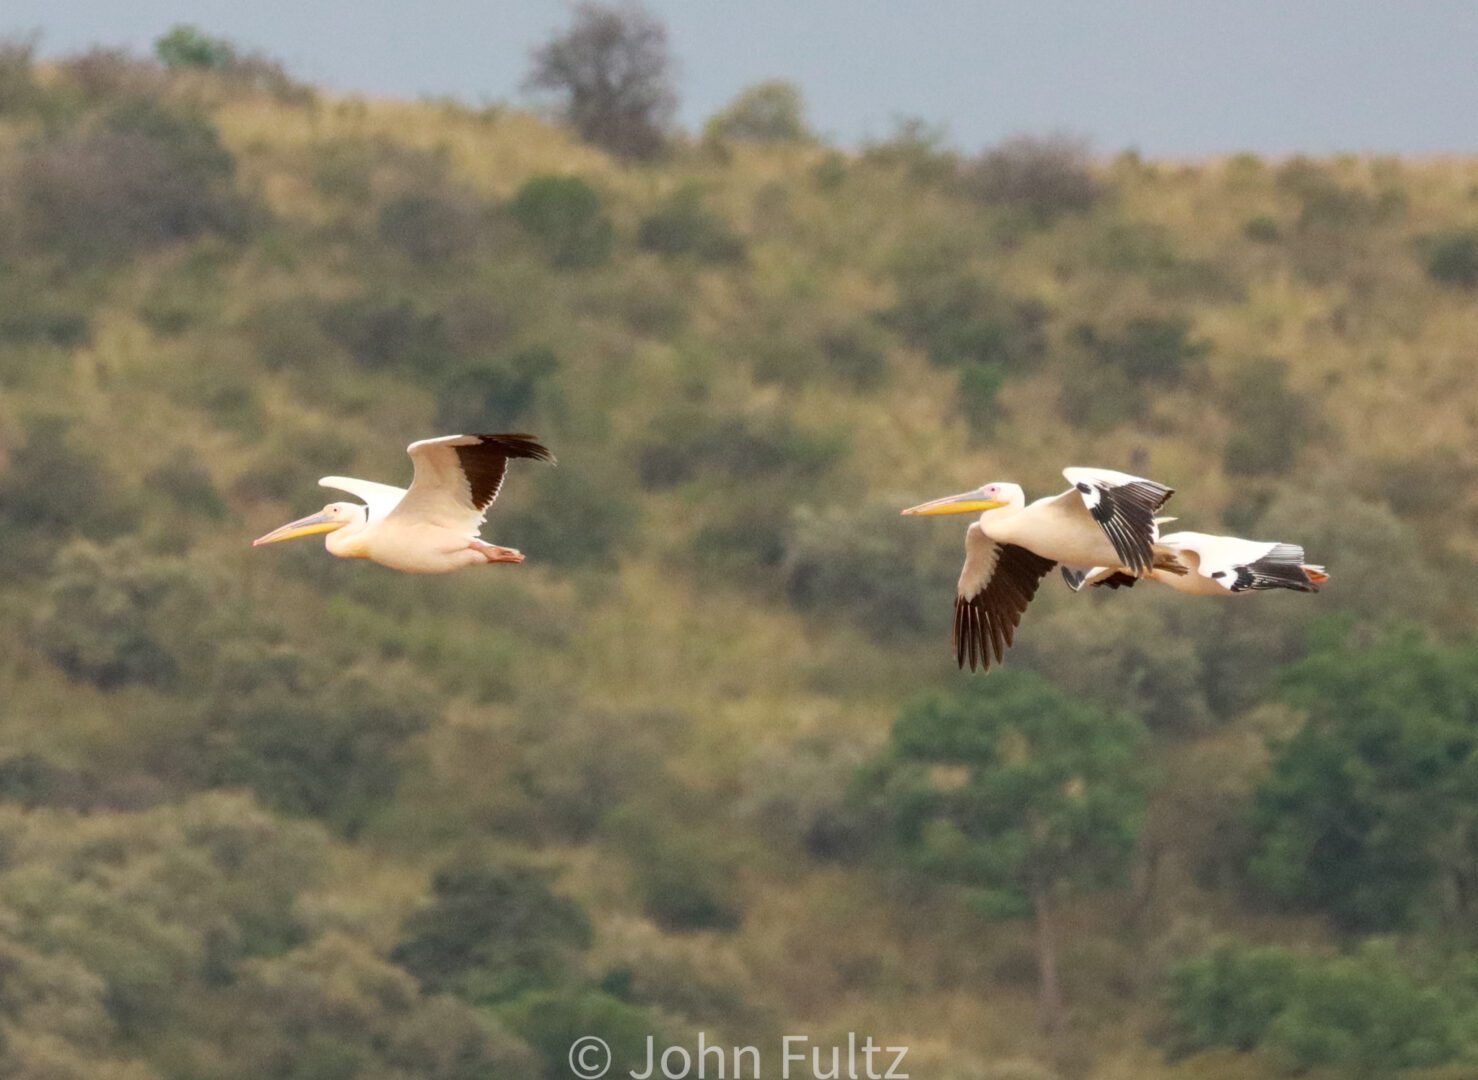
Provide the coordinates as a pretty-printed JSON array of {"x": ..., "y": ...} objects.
[
  {"x": 986, "y": 497},
  {"x": 332, "y": 517}
]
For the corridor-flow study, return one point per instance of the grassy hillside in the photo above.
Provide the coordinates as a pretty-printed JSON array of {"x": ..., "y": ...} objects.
[{"x": 266, "y": 814}]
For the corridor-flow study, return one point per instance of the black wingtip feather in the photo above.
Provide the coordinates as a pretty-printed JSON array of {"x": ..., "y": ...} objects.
[
  {"x": 985, "y": 624},
  {"x": 1270, "y": 572},
  {"x": 485, "y": 462},
  {"x": 516, "y": 444},
  {"x": 1126, "y": 513}
]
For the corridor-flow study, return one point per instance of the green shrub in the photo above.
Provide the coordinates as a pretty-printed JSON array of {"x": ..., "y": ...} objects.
[
  {"x": 575, "y": 514},
  {"x": 1134, "y": 247},
  {"x": 188, "y": 484},
  {"x": 564, "y": 214},
  {"x": 1325, "y": 203},
  {"x": 1452, "y": 258},
  {"x": 1365, "y": 1015},
  {"x": 1113, "y": 368},
  {"x": 856, "y": 352},
  {"x": 493, "y": 929},
  {"x": 831, "y": 172},
  {"x": 798, "y": 797},
  {"x": 554, "y": 1021},
  {"x": 1422, "y": 486},
  {"x": 334, "y": 1009},
  {"x": 688, "y": 443},
  {"x": 37, "y": 320},
  {"x": 306, "y": 738},
  {"x": 683, "y": 225},
  {"x": 290, "y": 334},
  {"x": 57, "y": 487},
  {"x": 289, "y": 465},
  {"x": 19, "y": 90},
  {"x": 959, "y": 320},
  {"x": 868, "y": 565},
  {"x": 115, "y": 617},
  {"x": 384, "y": 331},
  {"x": 1101, "y": 402},
  {"x": 743, "y": 535},
  {"x": 979, "y": 385},
  {"x": 1262, "y": 229},
  {"x": 771, "y": 111},
  {"x": 186, "y": 47},
  {"x": 1141, "y": 657},
  {"x": 578, "y": 766},
  {"x": 432, "y": 228},
  {"x": 681, "y": 884},
  {"x": 1148, "y": 349},
  {"x": 1274, "y": 423},
  {"x": 497, "y": 396},
  {"x": 918, "y": 149},
  {"x": 32, "y": 780},
  {"x": 1020, "y": 794},
  {"x": 1353, "y": 816},
  {"x": 1229, "y": 997}
]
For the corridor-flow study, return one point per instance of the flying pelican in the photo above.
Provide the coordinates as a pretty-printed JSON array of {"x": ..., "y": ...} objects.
[
  {"x": 1204, "y": 565},
  {"x": 432, "y": 527},
  {"x": 1106, "y": 518}
]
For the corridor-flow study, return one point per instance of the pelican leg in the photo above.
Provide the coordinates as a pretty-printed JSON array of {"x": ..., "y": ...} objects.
[{"x": 493, "y": 553}]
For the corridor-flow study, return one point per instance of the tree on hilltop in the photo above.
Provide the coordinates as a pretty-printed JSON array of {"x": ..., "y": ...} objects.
[{"x": 614, "y": 73}]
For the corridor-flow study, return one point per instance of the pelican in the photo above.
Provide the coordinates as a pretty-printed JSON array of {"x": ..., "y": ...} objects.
[
  {"x": 1205, "y": 565},
  {"x": 1105, "y": 518},
  {"x": 430, "y": 528}
]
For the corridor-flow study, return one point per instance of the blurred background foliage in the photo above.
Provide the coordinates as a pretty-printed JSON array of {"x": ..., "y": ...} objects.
[{"x": 704, "y": 761}]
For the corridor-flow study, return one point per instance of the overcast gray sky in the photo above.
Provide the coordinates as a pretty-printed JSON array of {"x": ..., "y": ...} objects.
[{"x": 1169, "y": 77}]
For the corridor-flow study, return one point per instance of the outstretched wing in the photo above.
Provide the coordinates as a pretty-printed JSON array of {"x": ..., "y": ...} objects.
[
  {"x": 996, "y": 585},
  {"x": 1239, "y": 565},
  {"x": 380, "y": 498},
  {"x": 458, "y": 476},
  {"x": 1113, "y": 579},
  {"x": 1124, "y": 507},
  {"x": 1096, "y": 576}
]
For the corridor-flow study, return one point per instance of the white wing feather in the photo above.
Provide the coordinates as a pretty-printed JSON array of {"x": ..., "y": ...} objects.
[
  {"x": 380, "y": 498},
  {"x": 440, "y": 492},
  {"x": 1124, "y": 507},
  {"x": 981, "y": 556},
  {"x": 1218, "y": 554}
]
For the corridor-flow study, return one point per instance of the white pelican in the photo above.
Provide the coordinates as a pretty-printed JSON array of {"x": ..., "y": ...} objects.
[
  {"x": 1206, "y": 565},
  {"x": 1106, "y": 518},
  {"x": 432, "y": 527}
]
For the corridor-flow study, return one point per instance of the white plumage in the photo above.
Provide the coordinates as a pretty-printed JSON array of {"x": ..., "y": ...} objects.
[
  {"x": 1105, "y": 518},
  {"x": 432, "y": 526},
  {"x": 1107, "y": 522},
  {"x": 1203, "y": 564}
]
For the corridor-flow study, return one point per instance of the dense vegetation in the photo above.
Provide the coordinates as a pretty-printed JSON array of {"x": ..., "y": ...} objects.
[{"x": 704, "y": 762}]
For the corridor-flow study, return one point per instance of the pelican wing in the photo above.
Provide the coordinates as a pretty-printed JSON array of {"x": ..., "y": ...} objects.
[
  {"x": 458, "y": 476},
  {"x": 1124, "y": 507},
  {"x": 380, "y": 498},
  {"x": 1097, "y": 576},
  {"x": 1239, "y": 565},
  {"x": 996, "y": 585}
]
